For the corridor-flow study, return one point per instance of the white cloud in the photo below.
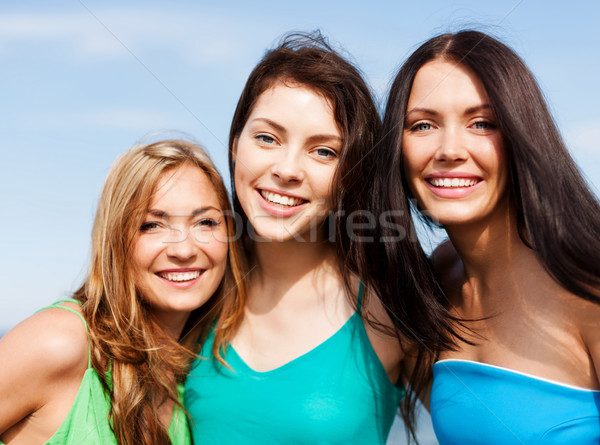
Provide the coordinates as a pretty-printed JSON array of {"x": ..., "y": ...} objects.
[
  {"x": 112, "y": 33},
  {"x": 114, "y": 118}
]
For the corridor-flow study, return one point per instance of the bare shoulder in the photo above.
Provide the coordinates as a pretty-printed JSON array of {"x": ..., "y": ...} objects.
[
  {"x": 40, "y": 353},
  {"x": 382, "y": 335},
  {"x": 56, "y": 337}
]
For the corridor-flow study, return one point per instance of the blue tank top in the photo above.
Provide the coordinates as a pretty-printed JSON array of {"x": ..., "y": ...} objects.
[
  {"x": 475, "y": 403},
  {"x": 337, "y": 393}
]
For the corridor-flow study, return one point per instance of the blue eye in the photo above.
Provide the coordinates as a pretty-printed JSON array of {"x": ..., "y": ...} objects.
[
  {"x": 325, "y": 153},
  {"x": 421, "y": 126},
  {"x": 483, "y": 125},
  {"x": 265, "y": 138}
]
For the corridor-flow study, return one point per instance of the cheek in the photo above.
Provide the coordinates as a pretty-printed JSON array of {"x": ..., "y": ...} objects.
[
  {"x": 411, "y": 166},
  {"x": 497, "y": 163},
  {"x": 217, "y": 250},
  {"x": 244, "y": 172},
  {"x": 141, "y": 261},
  {"x": 323, "y": 181},
  {"x": 141, "y": 257}
]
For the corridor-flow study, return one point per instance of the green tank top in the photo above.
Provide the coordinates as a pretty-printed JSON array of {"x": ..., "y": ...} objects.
[
  {"x": 88, "y": 419},
  {"x": 337, "y": 393}
]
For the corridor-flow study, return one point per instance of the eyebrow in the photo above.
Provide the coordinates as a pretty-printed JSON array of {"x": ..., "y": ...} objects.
[
  {"x": 422, "y": 110},
  {"x": 196, "y": 212},
  {"x": 318, "y": 138},
  {"x": 273, "y": 124},
  {"x": 477, "y": 108},
  {"x": 431, "y": 112}
]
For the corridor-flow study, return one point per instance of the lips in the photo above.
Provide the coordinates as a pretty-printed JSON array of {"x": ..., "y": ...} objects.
[
  {"x": 280, "y": 205},
  {"x": 453, "y": 182},
  {"x": 453, "y": 185},
  {"x": 180, "y": 276},
  {"x": 281, "y": 199}
]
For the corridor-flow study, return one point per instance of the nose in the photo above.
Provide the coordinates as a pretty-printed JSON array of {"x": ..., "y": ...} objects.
[
  {"x": 288, "y": 167},
  {"x": 181, "y": 245},
  {"x": 452, "y": 146}
]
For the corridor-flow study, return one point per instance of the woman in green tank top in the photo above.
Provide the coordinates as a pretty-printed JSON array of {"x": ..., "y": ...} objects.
[{"x": 159, "y": 254}]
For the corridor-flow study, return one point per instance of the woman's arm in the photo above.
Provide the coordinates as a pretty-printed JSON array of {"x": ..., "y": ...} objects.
[{"x": 43, "y": 361}]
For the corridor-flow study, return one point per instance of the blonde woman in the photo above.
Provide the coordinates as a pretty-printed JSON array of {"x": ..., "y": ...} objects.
[{"x": 107, "y": 366}]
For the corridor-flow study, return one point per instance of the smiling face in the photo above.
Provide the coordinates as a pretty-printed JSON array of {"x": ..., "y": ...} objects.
[
  {"x": 285, "y": 160},
  {"x": 453, "y": 152},
  {"x": 180, "y": 251}
]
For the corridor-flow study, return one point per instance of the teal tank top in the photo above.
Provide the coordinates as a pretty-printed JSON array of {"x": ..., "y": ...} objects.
[
  {"x": 337, "y": 393},
  {"x": 475, "y": 403},
  {"x": 88, "y": 419}
]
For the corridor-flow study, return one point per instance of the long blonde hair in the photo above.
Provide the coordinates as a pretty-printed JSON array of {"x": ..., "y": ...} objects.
[{"x": 144, "y": 362}]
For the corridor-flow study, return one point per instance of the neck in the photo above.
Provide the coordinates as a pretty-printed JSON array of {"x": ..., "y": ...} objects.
[
  {"x": 172, "y": 323},
  {"x": 491, "y": 251},
  {"x": 284, "y": 263}
]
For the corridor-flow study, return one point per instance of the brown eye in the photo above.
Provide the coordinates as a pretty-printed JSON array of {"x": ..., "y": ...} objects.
[
  {"x": 208, "y": 222},
  {"x": 147, "y": 226}
]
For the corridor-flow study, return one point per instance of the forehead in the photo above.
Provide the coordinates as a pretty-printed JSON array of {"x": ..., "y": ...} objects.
[
  {"x": 289, "y": 99},
  {"x": 184, "y": 187},
  {"x": 446, "y": 82}
]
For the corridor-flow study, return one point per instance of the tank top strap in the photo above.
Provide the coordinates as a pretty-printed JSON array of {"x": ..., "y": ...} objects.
[
  {"x": 359, "y": 298},
  {"x": 57, "y": 305}
]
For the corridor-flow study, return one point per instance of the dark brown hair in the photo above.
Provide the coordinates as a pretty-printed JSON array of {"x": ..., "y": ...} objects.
[
  {"x": 308, "y": 60},
  {"x": 558, "y": 216},
  {"x": 418, "y": 307}
]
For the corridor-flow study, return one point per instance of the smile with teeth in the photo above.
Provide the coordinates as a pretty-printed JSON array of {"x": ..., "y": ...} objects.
[
  {"x": 180, "y": 276},
  {"x": 282, "y": 200},
  {"x": 452, "y": 182}
]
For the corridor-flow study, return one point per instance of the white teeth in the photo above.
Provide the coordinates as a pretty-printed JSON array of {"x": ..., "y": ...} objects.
[
  {"x": 452, "y": 182},
  {"x": 180, "y": 276},
  {"x": 287, "y": 201}
]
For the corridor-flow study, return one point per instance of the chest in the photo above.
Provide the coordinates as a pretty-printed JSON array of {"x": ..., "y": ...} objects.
[
  {"x": 532, "y": 335},
  {"x": 336, "y": 393}
]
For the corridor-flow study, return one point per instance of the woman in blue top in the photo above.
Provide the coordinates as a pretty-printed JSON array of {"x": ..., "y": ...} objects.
[
  {"x": 302, "y": 367},
  {"x": 159, "y": 252},
  {"x": 469, "y": 135}
]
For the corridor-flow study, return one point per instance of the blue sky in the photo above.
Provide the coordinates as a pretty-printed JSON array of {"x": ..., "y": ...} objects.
[{"x": 84, "y": 80}]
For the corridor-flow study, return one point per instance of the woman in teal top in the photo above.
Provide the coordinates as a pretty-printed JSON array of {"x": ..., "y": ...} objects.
[
  {"x": 469, "y": 135},
  {"x": 297, "y": 357},
  {"x": 159, "y": 253},
  {"x": 338, "y": 392}
]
